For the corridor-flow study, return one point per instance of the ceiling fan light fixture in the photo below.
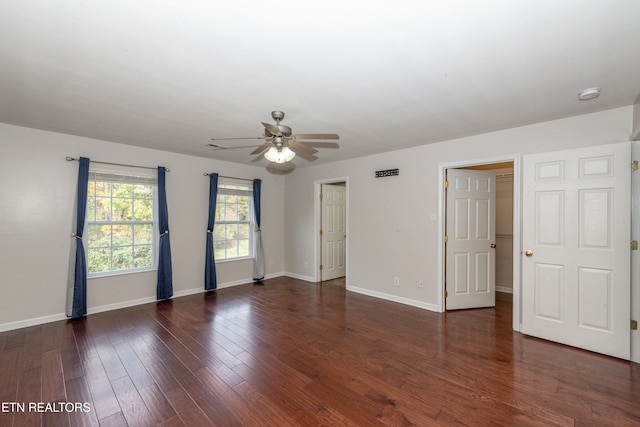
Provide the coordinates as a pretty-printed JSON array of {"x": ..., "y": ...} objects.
[
  {"x": 587, "y": 94},
  {"x": 282, "y": 155}
]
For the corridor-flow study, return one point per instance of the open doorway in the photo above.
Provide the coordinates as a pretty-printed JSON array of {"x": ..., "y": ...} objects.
[
  {"x": 331, "y": 226},
  {"x": 507, "y": 229},
  {"x": 478, "y": 213},
  {"x": 503, "y": 223}
]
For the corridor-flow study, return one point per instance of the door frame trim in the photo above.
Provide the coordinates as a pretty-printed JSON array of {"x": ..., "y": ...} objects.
[
  {"x": 517, "y": 227},
  {"x": 317, "y": 207},
  {"x": 635, "y": 255}
]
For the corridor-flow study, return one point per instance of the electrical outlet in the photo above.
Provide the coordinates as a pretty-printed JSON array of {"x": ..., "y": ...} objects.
[
  {"x": 273, "y": 261},
  {"x": 396, "y": 281},
  {"x": 421, "y": 284}
]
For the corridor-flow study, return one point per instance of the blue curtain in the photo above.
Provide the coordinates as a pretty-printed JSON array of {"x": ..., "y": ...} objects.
[
  {"x": 258, "y": 261},
  {"x": 165, "y": 285},
  {"x": 79, "y": 299},
  {"x": 210, "y": 279}
]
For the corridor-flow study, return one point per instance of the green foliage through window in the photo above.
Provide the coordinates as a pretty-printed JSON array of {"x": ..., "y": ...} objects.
[
  {"x": 120, "y": 223},
  {"x": 232, "y": 234}
]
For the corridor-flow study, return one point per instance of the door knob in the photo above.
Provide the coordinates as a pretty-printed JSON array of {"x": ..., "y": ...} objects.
[
  {"x": 529, "y": 253},
  {"x": 492, "y": 246}
]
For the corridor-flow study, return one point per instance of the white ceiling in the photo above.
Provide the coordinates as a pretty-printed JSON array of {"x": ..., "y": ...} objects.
[{"x": 384, "y": 75}]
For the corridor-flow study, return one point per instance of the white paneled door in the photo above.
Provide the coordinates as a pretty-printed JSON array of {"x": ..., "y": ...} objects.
[
  {"x": 333, "y": 231},
  {"x": 470, "y": 248},
  {"x": 576, "y": 248}
]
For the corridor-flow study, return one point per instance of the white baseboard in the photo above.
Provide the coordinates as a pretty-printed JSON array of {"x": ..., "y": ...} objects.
[
  {"x": 394, "y": 298},
  {"x": 300, "y": 277},
  {"x": 504, "y": 289},
  {"x": 32, "y": 322},
  {"x": 124, "y": 304},
  {"x": 118, "y": 305}
]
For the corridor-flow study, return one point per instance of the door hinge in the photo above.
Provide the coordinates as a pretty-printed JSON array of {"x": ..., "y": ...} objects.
[
  {"x": 634, "y": 245},
  {"x": 446, "y": 184},
  {"x": 321, "y": 232},
  {"x": 446, "y": 239},
  {"x": 320, "y": 267},
  {"x": 321, "y": 196},
  {"x": 446, "y": 294},
  {"x": 634, "y": 165},
  {"x": 634, "y": 325}
]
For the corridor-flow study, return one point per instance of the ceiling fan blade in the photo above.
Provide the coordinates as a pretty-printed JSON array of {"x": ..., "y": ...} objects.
[
  {"x": 299, "y": 147},
  {"x": 222, "y": 147},
  {"x": 318, "y": 144},
  {"x": 317, "y": 136},
  {"x": 308, "y": 157},
  {"x": 261, "y": 148},
  {"x": 231, "y": 139},
  {"x": 272, "y": 129}
]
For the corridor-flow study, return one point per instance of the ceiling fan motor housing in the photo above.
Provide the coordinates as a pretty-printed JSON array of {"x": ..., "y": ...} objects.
[{"x": 277, "y": 115}]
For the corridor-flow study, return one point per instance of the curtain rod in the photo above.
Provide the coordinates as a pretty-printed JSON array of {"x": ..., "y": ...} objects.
[
  {"x": 70, "y": 159},
  {"x": 229, "y": 177}
]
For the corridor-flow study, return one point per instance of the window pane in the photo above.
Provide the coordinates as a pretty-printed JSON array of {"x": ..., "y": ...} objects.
[
  {"x": 91, "y": 208},
  {"x": 103, "y": 189},
  {"x": 218, "y": 250},
  {"x": 243, "y": 231},
  {"x": 232, "y": 248},
  {"x": 142, "y": 256},
  {"x": 219, "y": 231},
  {"x": 121, "y": 209},
  {"x": 103, "y": 209},
  {"x": 142, "y": 192},
  {"x": 142, "y": 233},
  {"x": 122, "y": 190},
  {"x": 232, "y": 231},
  {"x": 122, "y": 235},
  {"x": 142, "y": 210},
  {"x": 243, "y": 247},
  {"x": 219, "y": 210},
  {"x": 243, "y": 209},
  {"x": 98, "y": 260},
  {"x": 91, "y": 189},
  {"x": 99, "y": 236},
  {"x": 121, "y": 258},
  {"x": 231, "y": 212}
]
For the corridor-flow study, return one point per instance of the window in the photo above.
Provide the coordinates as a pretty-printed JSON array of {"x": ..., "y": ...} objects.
[
  {"x": 120, "y": 223},
  {"x": 233, "y": 231}
]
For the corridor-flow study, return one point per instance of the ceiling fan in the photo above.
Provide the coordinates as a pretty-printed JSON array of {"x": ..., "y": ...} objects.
[{"x": 281, "y": 145}]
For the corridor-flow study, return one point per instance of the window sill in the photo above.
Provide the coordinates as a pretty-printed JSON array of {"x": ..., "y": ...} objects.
[
  {"x": 120, "y": 272},
  {"x": 221, "y": 261}
]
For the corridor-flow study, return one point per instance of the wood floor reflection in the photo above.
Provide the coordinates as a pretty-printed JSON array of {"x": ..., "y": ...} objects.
[{"x": 288, "y": 352}]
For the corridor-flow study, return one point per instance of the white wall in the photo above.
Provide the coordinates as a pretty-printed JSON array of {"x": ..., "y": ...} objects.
[
  {"x": 390, "y": 232},
  {"x": 636, "y": 120},
  {"x": 37, "y": 194}
]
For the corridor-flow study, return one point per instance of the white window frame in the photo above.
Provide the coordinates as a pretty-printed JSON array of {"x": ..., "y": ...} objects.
[
  {"x": 251, "y": 221},
  {"x": 130, "y": 177}
]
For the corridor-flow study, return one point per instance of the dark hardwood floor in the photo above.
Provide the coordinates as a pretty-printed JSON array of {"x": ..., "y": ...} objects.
[{"x": 293, "y": 353}]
